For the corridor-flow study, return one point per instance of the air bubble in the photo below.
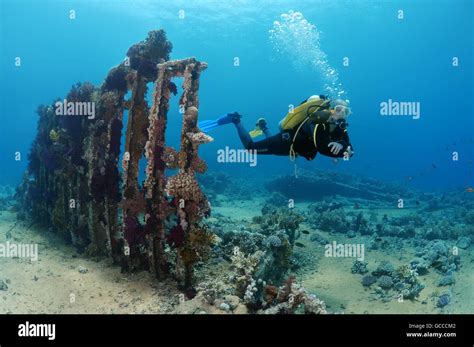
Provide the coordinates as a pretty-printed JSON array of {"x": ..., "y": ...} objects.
[
  {"x": 297, "y": 15},
  {"x": 299, "y": 41}
]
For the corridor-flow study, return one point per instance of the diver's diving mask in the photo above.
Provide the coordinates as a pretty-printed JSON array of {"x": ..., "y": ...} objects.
[{"x": 342, "y": 111}]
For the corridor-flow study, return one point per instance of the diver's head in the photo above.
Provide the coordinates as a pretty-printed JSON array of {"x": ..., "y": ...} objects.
[{"x": 340, "y": 110}]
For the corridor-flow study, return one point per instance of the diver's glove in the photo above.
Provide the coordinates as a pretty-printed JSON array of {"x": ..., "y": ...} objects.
[{"x": 335, "y": 147}]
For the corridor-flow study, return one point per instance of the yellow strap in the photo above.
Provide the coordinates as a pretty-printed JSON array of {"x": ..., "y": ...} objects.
[
  {"x": 303, "y": 122},
  {"x": 292, "y": 151},
  {"x": 314, "y": 134},
  {"x": 298, "y": 130}
]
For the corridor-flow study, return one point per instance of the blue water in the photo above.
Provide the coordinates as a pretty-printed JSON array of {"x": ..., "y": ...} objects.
[{"x": 407, "y": 59}]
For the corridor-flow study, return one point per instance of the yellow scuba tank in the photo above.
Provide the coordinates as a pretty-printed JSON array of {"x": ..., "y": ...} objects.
[{"x": 315, "y": 108}]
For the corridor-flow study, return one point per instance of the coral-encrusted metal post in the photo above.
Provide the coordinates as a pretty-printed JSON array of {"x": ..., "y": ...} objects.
[
  {"x": 102, "y": 151},
  {"x": 133, "y": 200},
  {"x": 154, "y": 185},
  {"x": 188, "y": 200}
]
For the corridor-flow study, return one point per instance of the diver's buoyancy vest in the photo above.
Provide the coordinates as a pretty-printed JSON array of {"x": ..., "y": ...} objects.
[
  {"x": 314, "y": 111},
  {"x": 311, "y": 112}
]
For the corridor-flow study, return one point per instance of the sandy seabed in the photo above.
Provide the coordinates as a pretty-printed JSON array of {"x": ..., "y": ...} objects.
[{"x": 63, "y": 281}]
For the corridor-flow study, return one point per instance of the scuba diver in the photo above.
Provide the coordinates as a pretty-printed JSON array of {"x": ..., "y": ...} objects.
[{"x": 316, "y": 125}]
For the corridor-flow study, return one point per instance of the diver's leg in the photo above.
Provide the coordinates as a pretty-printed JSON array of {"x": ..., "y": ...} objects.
[
  {"x": 262, "y": 124},
  {"x": 266, "y": 132},
  {"x": 245, "y": 137},
  {"x": 275, "y": 144}
]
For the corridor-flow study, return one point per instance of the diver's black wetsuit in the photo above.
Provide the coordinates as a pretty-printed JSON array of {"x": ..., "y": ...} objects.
[{"x": 280, "y": 143}]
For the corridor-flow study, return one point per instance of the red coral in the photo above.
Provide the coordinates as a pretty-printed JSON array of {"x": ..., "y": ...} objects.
[
  {"x": 176, "y": 236},
  {"x": 199, "y": 165},
  {"x": 133, "y": 231},
  {"x": 286, "y": 289},
  {"x": 271, "y": 293}
]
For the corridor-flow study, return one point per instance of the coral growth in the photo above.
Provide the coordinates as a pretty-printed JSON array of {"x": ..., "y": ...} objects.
[
  {"x": 293, "y": 298},
  {"x": 245, "y": 267},
  {"x": 407, "y": 283},
  {"x": 439, "y": 255},
  {"x": 359, "y": 267},
  {"x": 385, "y": 282},
  {"x": 198, "y": 139},
  {"x": 264, "y": 298},
  {"x": 184, "y": 186},
  {"x": 73, "y": 183},
  {"x": 247, "y": 241},
  {"x": 197, "y": 246},
  {"x": 170, "y": 157},
  {"x": 332, "y": 220},
  {"x": 403, "y": 280},
  {"x": 145, "y": 55},
  {"x": 274, "y": 219},
  {"x": 368, "y": 280}
]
